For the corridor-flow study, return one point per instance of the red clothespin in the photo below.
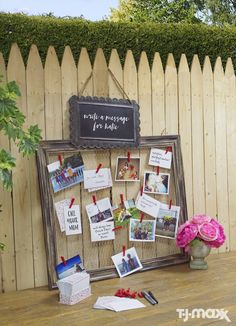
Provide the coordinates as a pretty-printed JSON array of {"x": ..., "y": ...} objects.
[
  {"x": 117, "y": 228},
  {"x": 94, "y": 200},
  {"x": 141, "y": 218},
  {"x": 123, "y": 249},
  {"x": 158, "y": 170},
  {"x": 99, "y": 167},
  {"x": 128, "y": 156},
  {"x": 169, "y": 149},
  {"x": 60, "y": 159},
  {"x": 63, "y": 260},
  {"x": 122, "y": 200},
  {"x": 72, "y": 202},
  {"x": 141, "y": 191},
  {"x": 140, "y": 295},
  {"x": 170, "y": 204}
]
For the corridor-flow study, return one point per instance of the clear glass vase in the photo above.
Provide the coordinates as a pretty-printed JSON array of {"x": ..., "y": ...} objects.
[{"x": 199, "y": 251}]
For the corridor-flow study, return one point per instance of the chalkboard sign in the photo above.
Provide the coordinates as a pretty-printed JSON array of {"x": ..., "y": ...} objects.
[{"x": 104, "y": 122}]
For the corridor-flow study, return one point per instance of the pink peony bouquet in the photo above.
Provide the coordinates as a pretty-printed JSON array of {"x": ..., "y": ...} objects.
[{"x": 202, "y": 228}]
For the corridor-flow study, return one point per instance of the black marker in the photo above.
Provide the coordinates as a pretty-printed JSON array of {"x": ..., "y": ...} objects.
[
  {"x": 148, "y": 298},
  {"x": 151, "y": 295}
]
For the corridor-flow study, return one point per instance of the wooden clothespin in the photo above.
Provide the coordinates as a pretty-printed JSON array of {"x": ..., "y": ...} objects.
[
  {"x": 98, "y": 167},
  {"x": 158, "y": 170},
  {"x": 122, "y": 200},
  {"x": 63, "y": 260},
  {"x": 60, "y": 159},
  {"x": 123, "y": 249},
  {"x": 141, "y": 191},
  {"x": 141, "y": 218},
  {"x": 170, "y": 204},
  {"x": 117, "y": 228},
  {"x": 128, "y": 156},
  {"x": 169, "y": 149},
  {"x": 72, "y": 202},
  {"x": 94, "y": 200}
]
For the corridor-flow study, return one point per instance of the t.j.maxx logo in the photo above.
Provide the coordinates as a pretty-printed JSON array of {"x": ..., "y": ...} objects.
[{"x": 210, "y": 313}]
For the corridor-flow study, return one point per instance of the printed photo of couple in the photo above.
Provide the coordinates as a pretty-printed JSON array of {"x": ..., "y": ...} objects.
[
  {"x": 156, "y": 183},
  {"x": 127, "y": 264},
  {"x": 144, "y": 231},
  {"x": 68, "y": 174}
]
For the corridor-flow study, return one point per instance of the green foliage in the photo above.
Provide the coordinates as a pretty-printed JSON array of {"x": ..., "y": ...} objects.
[
  {"x": 150, "y": 37},
  {"x": 215, "y": 12},
  {"x": 11, "y": 123},
  {"x": 158, "y": 11}
]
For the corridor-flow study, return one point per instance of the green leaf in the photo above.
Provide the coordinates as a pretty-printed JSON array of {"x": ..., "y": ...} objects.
[{"x": 2, "y": 246}]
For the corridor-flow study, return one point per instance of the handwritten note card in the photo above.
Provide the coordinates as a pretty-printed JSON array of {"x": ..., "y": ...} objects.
[
  {"x": 158, "y": 157},
  {"x": 104, "y": 187},
  {"x": 102, "y": 231},
  {"x": 96, "y": 180},
  {"x": 72, "y": 220},
  {"x": 148, "y": 205},
  {"x": 59, "y": 206}
]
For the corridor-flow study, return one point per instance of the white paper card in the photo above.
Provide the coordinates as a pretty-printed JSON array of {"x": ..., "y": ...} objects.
[
  {"x": 104, "y": 187},
  {"x": 72, "y": 220},
  {"x": 100, "y": 212},
  {"x": 159, "y": 157},
  {"x": 54, "y": 166},
  {"x": 95, "y": 180},
  {"x": 59, "y": 206},
  {"x": 117, "y": 304},
  {"x": 148, "y": 205},
  {"x": 102, "y": 231}
]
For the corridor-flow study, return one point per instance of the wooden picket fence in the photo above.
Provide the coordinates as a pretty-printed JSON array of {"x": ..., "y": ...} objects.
[{"x": 198, "y": 103}]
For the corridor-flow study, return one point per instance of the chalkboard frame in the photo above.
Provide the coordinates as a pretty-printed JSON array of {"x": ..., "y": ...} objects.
[
  {"x": 47, "y": 148},
  {"x": 113, "y": 105}
]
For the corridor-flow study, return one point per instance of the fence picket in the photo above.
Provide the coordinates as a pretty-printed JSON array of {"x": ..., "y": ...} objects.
[
  {"x": 231, "y": 155},
  {"x": 221, "y": 150},
  {"x": 21, "y": 189},
  {"x": 7, "y": 257},
  {"x": 36, "y": 115},
  {"x": 197, "y": 137},
  {"x": 209, "y": 138},
  {"x": 185, "y": 127},
  {"x": 171, "y": 96}
]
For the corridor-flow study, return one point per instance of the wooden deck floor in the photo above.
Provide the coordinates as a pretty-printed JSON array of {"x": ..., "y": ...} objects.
[{"x": 175, "y": 287}]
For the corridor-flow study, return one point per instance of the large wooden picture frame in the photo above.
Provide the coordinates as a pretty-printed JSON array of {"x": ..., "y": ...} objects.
[{"x": 53, "y": 148}]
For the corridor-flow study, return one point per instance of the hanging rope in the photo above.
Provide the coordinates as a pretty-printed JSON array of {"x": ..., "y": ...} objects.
[
  {"x": 121, "y": 89},
  {"x": 82, "y": 89}
]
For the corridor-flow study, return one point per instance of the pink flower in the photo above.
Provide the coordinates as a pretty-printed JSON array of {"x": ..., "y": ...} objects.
[
  {"x": 208, "y": 231},
  {"x": 220, "y": 237},
  {"x": 186, "y": 233},
  {"x": 201, "y": 218}
]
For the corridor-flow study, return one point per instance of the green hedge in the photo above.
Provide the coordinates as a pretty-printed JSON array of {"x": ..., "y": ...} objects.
[{"x": 164, "y": 38}]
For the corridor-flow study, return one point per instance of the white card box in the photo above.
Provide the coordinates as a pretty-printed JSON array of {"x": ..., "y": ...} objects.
[
  {"x": 73, "y": 284},
  {"x": 70, "y": 300}
]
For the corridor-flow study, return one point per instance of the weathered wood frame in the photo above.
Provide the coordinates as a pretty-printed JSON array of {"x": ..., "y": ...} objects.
[{"x": 47, "y": 148}]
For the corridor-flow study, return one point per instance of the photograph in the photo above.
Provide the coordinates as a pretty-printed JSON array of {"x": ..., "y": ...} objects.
[
  {"x": 101, "y": 211},
  {"x": 167, "y": 221},
  {"x": 127, "y": 264},
  {"x": 144, "y": 231},
  {"x": 68, "y": 174},
  {"x": 156, "y": 183},
  {"x": 73, "y": 265},
  {"x": 127, "y": 171},
  {"x": 123, "y": 213}
]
